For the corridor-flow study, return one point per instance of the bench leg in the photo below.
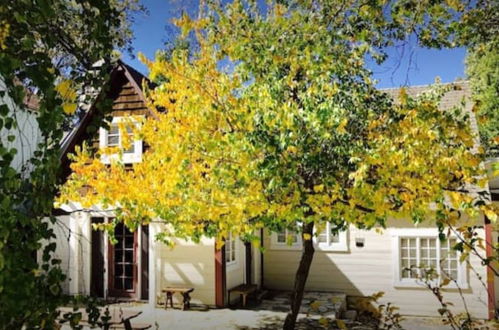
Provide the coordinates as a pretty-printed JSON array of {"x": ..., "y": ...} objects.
[
  {"x": 169, "y": 298},
  {"x": 187, "y": 301},
  {"x": 244, "y": 300}
]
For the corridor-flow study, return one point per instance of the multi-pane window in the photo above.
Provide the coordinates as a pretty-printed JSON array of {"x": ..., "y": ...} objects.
[
  {"x": 328, "y": 236},
  {"x": 286, "y": 236},
  {"x": 327, "y": 240},
  {"x": 115, "y": 138},
  {"x": 230, "y": 250},
  {"x": 450, "y": 260},
  {"x": 124, "y": 258},
  {"x": 420, "y": 255}
]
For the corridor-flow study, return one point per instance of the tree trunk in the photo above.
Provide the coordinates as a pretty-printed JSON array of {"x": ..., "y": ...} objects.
[{"x": 301, "y": 277}]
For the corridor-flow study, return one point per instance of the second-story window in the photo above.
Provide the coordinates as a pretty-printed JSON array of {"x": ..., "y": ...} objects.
[{"x": 115, "y": 137}]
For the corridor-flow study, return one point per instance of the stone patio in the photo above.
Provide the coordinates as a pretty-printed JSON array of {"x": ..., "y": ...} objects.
[
  {"x": 330, "y": 305},
  {"x": 267, "y": 315}
]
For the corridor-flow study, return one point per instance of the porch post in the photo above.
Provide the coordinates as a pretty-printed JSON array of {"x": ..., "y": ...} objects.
[
  {"x": 491, "y": 303},
  {"x": 152, "y": 265}
]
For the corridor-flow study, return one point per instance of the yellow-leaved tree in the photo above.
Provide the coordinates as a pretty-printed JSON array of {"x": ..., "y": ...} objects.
[{"x": 274, "y": 122}]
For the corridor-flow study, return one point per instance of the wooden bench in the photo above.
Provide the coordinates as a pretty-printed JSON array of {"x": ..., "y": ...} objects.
[
  {"x": 185, "y": 292},
  {"x": 244, "y": 290}
]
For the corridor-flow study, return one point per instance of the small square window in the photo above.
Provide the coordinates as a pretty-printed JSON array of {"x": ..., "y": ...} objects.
[
  {"x": 114, "y": 137},
  {"x": 331, "y": 240}
]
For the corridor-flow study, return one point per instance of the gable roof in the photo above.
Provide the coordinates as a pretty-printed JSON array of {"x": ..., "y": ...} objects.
[
  {"x": 120, "y": 74},
  {"x": 461, "y": 91}
]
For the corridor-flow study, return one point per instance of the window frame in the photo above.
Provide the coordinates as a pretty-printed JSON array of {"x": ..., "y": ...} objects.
[
  {"x": 127, "y": 157},
  {"x": 341, "y": 246},
  {"x": 276, "y": 245},
  {"x": 418, "y": 234},
  {"x": 232, "y": 264}
]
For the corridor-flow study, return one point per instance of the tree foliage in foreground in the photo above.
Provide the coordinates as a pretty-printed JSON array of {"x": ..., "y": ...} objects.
[
  {"x": 483, "y": 70},
  {"x": 47, "y": 48},
  {"x": 292, "y": 133}
]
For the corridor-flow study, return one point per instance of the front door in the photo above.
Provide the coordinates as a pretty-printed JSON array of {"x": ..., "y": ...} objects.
[{"x": 123, "y": 263}]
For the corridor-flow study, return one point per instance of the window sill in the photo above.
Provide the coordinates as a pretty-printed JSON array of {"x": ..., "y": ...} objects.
[
  {"x": 125, "y": 159},
  {"x": 332, "y": 247},
  {"x": 415, "y": 284}
]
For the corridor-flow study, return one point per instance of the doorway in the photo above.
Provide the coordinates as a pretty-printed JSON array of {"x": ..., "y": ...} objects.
[{"x": 123, "y": 263}]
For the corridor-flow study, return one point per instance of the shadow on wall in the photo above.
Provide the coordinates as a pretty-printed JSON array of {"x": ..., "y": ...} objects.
[
  {"x": 191, "y": 266},
  {"x": 363, "y": 271}
]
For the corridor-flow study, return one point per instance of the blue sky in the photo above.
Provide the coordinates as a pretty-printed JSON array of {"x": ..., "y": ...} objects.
[{"x": 407, "y": 65}]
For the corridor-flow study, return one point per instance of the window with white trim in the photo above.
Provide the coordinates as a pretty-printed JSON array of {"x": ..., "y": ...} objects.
[
  {"x": 331, "y": 240},
  {"x": 327, "y": 240},
  {"x": 114, "y": 138},
  {"x": 230, "y": 250},
  {"x": 420, "y": 251},
  {"x": 287, "y": 236}
]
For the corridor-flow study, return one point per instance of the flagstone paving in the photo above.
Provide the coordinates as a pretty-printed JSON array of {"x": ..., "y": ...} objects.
[{"x": 269, "y": 314}]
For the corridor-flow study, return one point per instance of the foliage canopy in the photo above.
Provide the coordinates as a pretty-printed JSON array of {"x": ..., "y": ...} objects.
[
  {"x": 48, "y": 48},
  {"x": 275, "y": 122}
]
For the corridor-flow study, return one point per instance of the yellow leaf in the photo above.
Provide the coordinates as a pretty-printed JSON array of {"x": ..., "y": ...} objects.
[
  {"x": 319, "y": 188},
  {"x": 491, "y": 215},
  {"x": 315, "y": 305},
  {"x": 341, "y": 127},
  {"x": 324, "y": 322},
  {"x": 341, "y": 324},
  {"x": 69, "y": 108},
  {"x": 307, "y": 237}
]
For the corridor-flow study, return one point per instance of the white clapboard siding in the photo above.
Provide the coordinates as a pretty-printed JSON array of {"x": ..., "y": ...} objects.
[{"x": 363, "y": 271}]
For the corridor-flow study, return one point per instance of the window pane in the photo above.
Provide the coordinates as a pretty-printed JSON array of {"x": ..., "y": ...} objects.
[
  {"x": 114, "y": 130},
  {"x": 112, "y": 140},
  {"x": 322, "y": 237},
  {"x": 408, "y": 257},
  {"x": 281, "y": 237},
  {"x": 230, "y": 249},
  {"x": 412, "y": 253},
  {"x": 128, "y": 284},
  {"x": 131, "y": 149},
  {"x": 335, "y": 237}
]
